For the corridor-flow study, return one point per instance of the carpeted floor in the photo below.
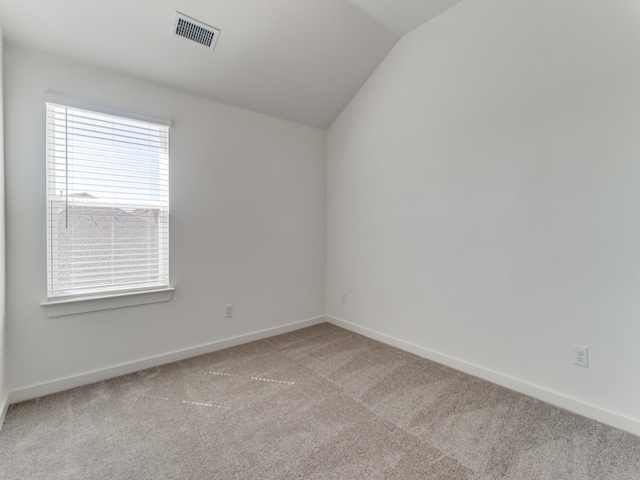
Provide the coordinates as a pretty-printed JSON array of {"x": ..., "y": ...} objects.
[{"x": 319, "y": 403}]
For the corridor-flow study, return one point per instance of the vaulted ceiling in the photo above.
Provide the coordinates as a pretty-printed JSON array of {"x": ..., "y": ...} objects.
[{"x": 300, "y": 60}]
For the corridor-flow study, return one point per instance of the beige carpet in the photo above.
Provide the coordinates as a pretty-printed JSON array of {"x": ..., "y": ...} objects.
[{"x": 319, "y": 403}]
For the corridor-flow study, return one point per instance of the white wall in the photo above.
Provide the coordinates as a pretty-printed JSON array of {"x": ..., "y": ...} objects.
[
  {"x": 484, "y": 199},
  {"x": 4, "y": 391},
  {"x": 248, "y": 211}
]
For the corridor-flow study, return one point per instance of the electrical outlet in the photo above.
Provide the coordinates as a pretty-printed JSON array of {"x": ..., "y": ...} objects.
[
  {"x": 228, "y": 311},
  {"x": 344, "y": 297},
  {"x": 581, "y": 356}
]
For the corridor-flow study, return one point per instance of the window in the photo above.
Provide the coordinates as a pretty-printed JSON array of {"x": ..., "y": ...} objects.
[{"x": 107, "y": 203}]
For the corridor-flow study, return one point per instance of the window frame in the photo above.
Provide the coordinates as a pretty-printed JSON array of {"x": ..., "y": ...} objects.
[{"x": 108, "y": 298}]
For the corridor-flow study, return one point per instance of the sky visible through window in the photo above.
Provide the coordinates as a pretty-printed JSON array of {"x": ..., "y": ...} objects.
[{"x": 107, "y": 157}]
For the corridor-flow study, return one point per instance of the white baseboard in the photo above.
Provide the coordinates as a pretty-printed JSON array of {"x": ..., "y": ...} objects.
[
  {"x": 4, "y": 406},
  {"x": 614, "y": 419},
  {"x": 62, "y": 384}
]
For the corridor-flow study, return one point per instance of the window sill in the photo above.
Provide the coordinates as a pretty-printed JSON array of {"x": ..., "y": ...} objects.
[{"x": 74, "y": 306}]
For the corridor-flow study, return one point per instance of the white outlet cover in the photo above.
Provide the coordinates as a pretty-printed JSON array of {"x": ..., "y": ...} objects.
[{"x": 581, "y": 356}]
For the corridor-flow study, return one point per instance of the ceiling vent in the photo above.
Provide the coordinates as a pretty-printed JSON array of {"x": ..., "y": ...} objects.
[{"x": 191, "y": 29}]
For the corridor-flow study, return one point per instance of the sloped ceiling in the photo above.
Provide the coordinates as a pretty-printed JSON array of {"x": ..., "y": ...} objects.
[
  {"x": 402, "y": 16},
  {"x": 300, "y": 60}
]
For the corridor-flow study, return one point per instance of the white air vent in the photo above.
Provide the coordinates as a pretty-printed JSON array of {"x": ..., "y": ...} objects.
[{"x": 191, "y": 29}]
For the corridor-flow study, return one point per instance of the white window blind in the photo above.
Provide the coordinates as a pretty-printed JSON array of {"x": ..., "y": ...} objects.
[{"x": 107, "y": 203}]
